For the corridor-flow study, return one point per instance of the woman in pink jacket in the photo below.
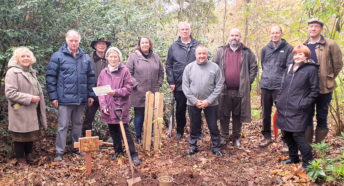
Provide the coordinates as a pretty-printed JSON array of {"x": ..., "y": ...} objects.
[{"x": 118, "y": 77}]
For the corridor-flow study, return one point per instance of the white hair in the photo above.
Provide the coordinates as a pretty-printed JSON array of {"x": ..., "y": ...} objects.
[
  {"x": 184, "y": 23},
  {"x": 71, "y": 32},
  {"x": 114, "y": 49}
]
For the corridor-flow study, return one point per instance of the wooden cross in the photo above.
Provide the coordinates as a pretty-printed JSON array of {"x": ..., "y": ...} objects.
[{"x": 88, "y": 145}]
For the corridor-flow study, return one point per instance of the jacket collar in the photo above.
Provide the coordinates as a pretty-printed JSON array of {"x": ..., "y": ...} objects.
[
  {"x": 140, "y": 55},
  {"x": 96, "y": 58},
  {"x": 65, "y": 50},
  {"x": 120, "y": 66},
  {"x": 243, "y": 47},
  {"x": 322, "y": 41},
  {"x": 281, "y": 45},
  {"x": 192, "y": 42}
]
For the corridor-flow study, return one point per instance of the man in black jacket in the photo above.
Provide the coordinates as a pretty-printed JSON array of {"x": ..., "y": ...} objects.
[
  {"x": 275, "y": 57},
  {"x": 180, "y": 53}
]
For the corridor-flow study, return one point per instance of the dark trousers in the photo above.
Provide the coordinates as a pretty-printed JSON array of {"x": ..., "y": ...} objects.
[
  {"x": 196, "y": 124},
  {"x": 268, "y": 98},
  {"x": 89, "y": 116},
  {"x": 321, "y": 105},
  {"x": 138, "y": 120},
  {"x": 180, "y": 111},
  {"x": 296, "y": 141},
  {"x": 22, "y": 148},
  {"x": 230, "y": 105},
  {"x": 116, "y": 135}
]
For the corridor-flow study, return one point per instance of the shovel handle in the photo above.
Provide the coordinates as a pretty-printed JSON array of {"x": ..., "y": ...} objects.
[{"x": 118, "y": 110}]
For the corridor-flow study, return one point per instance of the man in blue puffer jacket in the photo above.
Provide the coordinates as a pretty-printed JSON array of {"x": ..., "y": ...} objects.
[{"x": 70, "y": 79}]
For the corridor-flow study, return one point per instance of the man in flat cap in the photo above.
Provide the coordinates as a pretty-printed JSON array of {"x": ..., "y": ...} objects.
[
  {"x": 98, "y": 63},
  {"x": 327, "y": 54}
]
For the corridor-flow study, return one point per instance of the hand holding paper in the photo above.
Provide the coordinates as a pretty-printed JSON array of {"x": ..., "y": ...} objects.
[{"x": 102, "y": 90}]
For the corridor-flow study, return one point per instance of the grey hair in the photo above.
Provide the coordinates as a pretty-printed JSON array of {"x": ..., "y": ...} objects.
[
  {"x": 72, "y": 31},
  {"x": 114, "y": 49},
  {"x": 280, "y": 28},
  {"x": 184, "y": 23}
]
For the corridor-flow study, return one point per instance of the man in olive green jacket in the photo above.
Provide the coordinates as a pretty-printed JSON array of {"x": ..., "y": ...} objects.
[{"x": 328, "y": 55}]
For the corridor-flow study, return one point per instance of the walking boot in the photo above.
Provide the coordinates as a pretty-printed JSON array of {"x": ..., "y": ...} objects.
[
  {"x": 309, "y": 134},
  {"x": 29, "y": 158},
  {"x": 320, "y": 135}
]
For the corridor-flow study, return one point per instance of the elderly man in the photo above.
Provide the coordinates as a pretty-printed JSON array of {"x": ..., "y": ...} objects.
[
  {"x": 275, "y": 57},
  {"x": 328, "y": 55},
  {"x": 239, "y": 69},
  {"x": 98, "y": 63},
  {"x": 70, "y": 79},
  {"x": 180, "y": 53},
  {"x": 202, "y": 83}
]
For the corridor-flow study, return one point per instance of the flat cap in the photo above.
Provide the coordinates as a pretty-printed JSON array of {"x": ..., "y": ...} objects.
[{"x": 316, "y": 20}]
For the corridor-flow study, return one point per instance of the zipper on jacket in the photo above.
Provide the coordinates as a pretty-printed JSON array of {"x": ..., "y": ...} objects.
[{"x": 291, "y": 81}]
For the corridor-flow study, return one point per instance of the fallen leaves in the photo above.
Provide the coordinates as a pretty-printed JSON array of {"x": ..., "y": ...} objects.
[{"x": 247, "y": 165}]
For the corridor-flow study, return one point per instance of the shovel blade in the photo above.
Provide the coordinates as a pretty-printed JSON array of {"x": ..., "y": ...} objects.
[{"x": 132, "y": 181}]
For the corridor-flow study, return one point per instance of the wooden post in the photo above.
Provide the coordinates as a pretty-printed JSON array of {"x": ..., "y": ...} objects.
[
  {"x": 158, "y": 119},
  {"x": 88, "y": 145},
  {"x": 147, "y": 135}
]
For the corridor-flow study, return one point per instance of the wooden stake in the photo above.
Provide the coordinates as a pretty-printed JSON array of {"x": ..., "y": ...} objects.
[
  {"x": 158, "y": 118},
  {"x": 147, "y": 138}
]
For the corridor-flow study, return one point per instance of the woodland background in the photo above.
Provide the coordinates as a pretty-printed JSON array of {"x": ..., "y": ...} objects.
[{"x": 41, "y": 25}]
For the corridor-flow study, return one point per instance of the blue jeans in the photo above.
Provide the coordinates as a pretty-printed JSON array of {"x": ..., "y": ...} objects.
[
  {"x": 321, "y": 105},
  {"x": 138, "y": 120}
]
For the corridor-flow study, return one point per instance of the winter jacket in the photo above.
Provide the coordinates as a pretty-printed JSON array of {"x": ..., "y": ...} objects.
[
  {"x": 274, "y": 63},
  {"x": 177, "y": 59},
  {"x": 121, "y": 82},
  {"x": 248, "y": 72},
  {"x": 298, "y": 91},
  {"x": 330, "y": 60},
  {"x": 98, "y": 64},
  {"x": 202, "y": 82},
  {"x": 70, "y": 79},
  {"x": 147, "y": 74},
  {"x": 22, "y": 113}
]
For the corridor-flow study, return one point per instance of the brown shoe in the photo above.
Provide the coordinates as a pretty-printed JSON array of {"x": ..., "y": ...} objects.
[{"x": 265, "y": 142}]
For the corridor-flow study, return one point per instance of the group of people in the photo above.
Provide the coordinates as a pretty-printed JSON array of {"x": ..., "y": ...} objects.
[{"x": 298, "y": 80}]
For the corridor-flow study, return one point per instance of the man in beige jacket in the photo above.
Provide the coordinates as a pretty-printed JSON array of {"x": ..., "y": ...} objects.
[{"x": 327, "y": 54}]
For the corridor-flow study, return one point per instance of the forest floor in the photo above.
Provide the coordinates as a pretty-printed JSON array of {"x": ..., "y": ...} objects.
[{"x": 248, "y": 164}]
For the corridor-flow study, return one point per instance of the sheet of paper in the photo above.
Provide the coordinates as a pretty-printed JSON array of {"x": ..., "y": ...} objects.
[{"x": 102, "y": 90}]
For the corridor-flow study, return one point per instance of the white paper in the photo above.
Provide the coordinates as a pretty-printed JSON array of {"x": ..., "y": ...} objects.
[{"x": 102, "y": 90}]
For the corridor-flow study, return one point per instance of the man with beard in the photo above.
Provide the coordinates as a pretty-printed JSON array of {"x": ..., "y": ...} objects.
[
  {"x": 239, "y": 69},
  {"x": 275, "y": 58}
]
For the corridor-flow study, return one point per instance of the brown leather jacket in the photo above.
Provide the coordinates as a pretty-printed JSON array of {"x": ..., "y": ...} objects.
[{"x": 331, "y": 62}]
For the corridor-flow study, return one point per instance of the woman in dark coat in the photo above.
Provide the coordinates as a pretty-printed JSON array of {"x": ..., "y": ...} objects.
[
  {"x": 118, "y": 77},
  {"x": 26, "y": 106},
  {"x": 299, "y": 89},
  {"x": 148, "y": 75}
]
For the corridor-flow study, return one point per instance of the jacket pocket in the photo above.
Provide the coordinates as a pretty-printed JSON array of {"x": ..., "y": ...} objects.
[{"x": 330, "y": 81}]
